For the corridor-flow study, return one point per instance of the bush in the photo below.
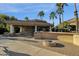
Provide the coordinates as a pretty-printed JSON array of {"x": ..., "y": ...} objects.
[{"x": 2, "y": 30}]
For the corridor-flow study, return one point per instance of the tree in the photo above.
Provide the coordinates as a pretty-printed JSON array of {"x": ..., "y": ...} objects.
[
  {"x": 41, "y": 14},
  {"x": 66, "y": 23},
  {"x": 4, "y": 17},
  {"x": 26, "y": 18},
  {"x": 13, "y": 18},
  {"x": 62, "y": 5},
  {"x": 76, "y": 16},
  {"x": 60, "y": 10},
  {"x": 53, "y": 16},
  {"x": 66, "y": 26}
]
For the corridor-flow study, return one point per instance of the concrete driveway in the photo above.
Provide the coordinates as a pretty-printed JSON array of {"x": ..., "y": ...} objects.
[{"x": 20, "y": 48}]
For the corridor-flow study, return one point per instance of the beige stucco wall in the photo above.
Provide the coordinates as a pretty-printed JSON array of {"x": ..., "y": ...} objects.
[
  {"x": 45, "y": 35},
  {"x": 64, "y": 37},
  {"x": 72, "y": 38},
  {"x": 76, "y": 39}
]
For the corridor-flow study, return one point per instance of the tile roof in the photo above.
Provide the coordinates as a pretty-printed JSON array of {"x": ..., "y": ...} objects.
[{"x": 28, "y": 23}]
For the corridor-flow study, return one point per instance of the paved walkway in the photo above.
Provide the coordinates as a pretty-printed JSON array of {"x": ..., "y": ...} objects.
[{"x": 19, "y": 48}]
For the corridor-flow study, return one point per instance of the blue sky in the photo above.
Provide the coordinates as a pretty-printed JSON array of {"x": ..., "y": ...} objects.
[{"x": 21, "y": 10}]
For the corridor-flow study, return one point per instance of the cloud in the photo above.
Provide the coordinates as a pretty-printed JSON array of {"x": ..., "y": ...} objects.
[
  {"x": 25, "y": 8},
  {"x": 8, "y": 8},
  {"x": 38, "y": 7}
]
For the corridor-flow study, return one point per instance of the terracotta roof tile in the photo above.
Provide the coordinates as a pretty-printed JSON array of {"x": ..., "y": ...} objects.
[{"x": 28, "y": 23}]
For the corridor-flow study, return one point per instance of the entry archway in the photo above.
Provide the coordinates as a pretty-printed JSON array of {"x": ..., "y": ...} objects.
[{"x": 16, "y": 29}]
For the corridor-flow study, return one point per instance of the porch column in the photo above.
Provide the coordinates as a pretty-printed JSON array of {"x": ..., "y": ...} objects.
[
  {"x": 35, "y": 28},
  {"x": 50, "y": 29},
  {"x": 11, "y": 29},
  {"x": 21, "y": 29}
]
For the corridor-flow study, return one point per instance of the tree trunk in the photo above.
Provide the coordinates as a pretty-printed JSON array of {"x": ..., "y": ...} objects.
[
  {"x": 60, "y": 18},
  {"x": 76, "y": 17},
  {"x": 53, "y": 23}
]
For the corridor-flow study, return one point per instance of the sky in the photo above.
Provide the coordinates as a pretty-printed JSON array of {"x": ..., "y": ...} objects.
[{"x": 31, "y": 10}]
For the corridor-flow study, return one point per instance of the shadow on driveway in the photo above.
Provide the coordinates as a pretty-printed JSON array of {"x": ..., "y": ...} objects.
[
  {"x": 59, "y": 45},
  {"x": 13, "y": 53}
]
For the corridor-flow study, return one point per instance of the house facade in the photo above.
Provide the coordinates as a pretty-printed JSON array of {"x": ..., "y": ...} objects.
[
  {"x": 28, "y": 26},
  {"x": 73, "y": 23}
]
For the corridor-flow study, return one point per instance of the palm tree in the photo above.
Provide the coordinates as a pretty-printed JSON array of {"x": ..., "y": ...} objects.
[
  {"x": 62, "y": 5},
  {"x": 26, "y": 18},
  {"x": 76, "y": 16},
  {"x": 52, "y": 17},
  {"x": 41, "y": 14},
  {"x": 59, "y": 11}
]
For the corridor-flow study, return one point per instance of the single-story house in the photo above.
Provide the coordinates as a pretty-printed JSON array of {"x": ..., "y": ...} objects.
[
  {"x": 73, "y": 21},
  {"x": 28, "y": 26}
]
